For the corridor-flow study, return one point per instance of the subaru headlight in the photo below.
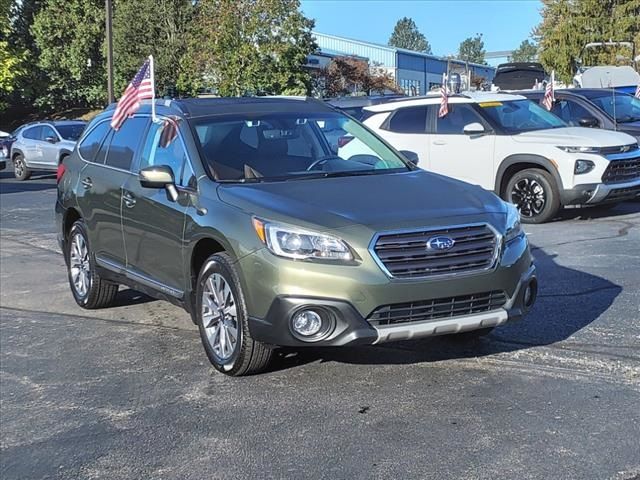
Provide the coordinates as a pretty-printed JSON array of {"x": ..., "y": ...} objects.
[
  {"x": 298, "y": 244},
  {"x": 580, "y": 149},
  {"x": 514, "y": 228}
]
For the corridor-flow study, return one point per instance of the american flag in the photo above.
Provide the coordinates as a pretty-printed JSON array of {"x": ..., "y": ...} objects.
[
  {"x": 549, "y": 97},
  {"x": 444, "y": 101},
  {"x": 140, "y": 88},
  {"x": 637, "y": 94},
  {"x": 169, "y": 131}
]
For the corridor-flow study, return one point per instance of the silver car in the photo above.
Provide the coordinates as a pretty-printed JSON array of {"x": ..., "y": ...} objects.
[{"x": 42, "y": 145}]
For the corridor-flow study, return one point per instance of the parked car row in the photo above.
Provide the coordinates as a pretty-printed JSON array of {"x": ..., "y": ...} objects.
[{"x": 515, "y": 148}]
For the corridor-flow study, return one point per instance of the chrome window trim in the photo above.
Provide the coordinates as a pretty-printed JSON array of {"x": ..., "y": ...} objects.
[{"x": 494, "y": 261}]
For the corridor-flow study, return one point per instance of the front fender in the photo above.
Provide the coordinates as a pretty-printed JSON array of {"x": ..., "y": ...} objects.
[{"x": 526, "y": 158}]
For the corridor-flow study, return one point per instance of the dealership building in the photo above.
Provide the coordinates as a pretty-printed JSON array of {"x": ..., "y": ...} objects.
[{"x": 415, "y": 72}]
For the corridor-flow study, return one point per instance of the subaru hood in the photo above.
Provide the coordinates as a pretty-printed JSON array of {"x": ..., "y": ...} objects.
[
  {"x": 575, "y": 137},
  {"x": 389, "y": 200}
]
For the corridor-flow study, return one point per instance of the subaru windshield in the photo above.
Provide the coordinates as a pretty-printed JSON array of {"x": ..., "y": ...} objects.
[
  {"x": 517, "y": 116},
  {"x": 71, "y": 131},
  {"x": 285, "y": 146},
  {"x": 624, "y": 108}
]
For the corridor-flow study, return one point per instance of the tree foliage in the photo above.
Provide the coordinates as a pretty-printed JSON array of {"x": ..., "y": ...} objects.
[
  {"x": 567, "y": 25},
  {"x": 69, "y": 35},
  {"x": 526, "y": 52},
  {"x": 406, "y": 35},
  {"x": 240, "y": 47},
  {"x": 150, "y": 27},
  {"x": 472, "y": 49},
  {"x": 348, "y": 75}
]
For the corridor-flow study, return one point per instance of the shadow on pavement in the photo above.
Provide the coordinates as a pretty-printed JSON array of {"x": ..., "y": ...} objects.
[
  {"x": 568, "y": 301},
  {"x": 9, "y": 184}
]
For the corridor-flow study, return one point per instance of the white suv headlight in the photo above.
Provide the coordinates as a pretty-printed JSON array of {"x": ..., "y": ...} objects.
[
  {"x": 298, "y": 244},
  {"x": 514, "y": 228},
  {"x": 580, "y": 149}
]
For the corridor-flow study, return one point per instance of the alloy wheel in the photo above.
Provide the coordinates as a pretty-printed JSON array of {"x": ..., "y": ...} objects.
[
  {"x": 529, "y": 196},
  {"x": 220, "y": 316},
  {"x": 79, "y": 265},
  {"x": 18, "y": 167}
]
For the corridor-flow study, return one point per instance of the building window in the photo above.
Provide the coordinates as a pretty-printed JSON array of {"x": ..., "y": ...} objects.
[{"x": 410, "y": 87}]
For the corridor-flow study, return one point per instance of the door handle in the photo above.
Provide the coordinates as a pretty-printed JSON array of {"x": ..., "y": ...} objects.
[
  {"x": 439, "y": 142},
  {"x": 87, "y": 183},
  {"x": 129, "y": 199}
]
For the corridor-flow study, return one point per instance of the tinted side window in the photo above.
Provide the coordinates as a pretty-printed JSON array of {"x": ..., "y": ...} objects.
[
  {"x": 453, "y": 123},
  {"x": 570, "y": 112},
  {"x": 91, "y": 143},
  {"x": 47, "y": 131},
  {"x": 125, "y": 143},
  {"x": 32, "y": 133},
  {"x": 408, "y": 120},
  {"x": 172, "y": 154}
]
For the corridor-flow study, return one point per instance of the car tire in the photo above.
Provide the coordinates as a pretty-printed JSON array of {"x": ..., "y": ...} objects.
[
  {"x": 221, "y": 315},
  {"x": 535, "y": 193},
  {"x": 89, "y": 290},
  {"x": 20, "y": 169}
]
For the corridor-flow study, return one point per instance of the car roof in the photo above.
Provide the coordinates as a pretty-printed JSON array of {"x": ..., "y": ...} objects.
[
  {"x": 431, "y": 99},
  {"x": 207, "y": 107},
  {"x": 362, "y": 101},
  {"x": 582, "y": 92}
]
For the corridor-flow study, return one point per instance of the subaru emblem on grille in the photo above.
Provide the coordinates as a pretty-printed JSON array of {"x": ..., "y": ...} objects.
[{"x": 440, "y": 243}]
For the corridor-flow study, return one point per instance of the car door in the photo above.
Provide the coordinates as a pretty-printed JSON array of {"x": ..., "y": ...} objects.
[
  {"x": 456, "y": 154},
  {"x": 29, "y": 145},
  {"x": 405, "y": 129},
  {"x": 153, "y": 223},
  {"x": 48, "y": 144},
  {"x": 107, "y": 155}
]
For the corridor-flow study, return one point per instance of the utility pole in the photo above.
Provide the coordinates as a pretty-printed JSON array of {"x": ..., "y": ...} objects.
[{"x": 109, "y": 16}]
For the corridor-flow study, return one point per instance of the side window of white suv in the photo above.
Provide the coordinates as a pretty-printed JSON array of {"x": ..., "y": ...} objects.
[{"x": 459, "y": 116}]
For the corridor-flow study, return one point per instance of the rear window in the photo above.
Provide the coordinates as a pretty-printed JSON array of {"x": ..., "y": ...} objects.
[
  {"x": 408, "y": 120},
  {"x": 91, "y": 143},
  {"x": 125, "y": 143},
  {"x": 32, "y": 133}
]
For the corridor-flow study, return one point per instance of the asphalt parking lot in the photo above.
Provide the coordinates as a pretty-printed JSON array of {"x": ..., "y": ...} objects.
[{"x": 128, "y": 392}]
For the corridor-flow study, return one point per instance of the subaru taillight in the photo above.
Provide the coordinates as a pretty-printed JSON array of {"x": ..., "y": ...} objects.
[{"x": 60, "y": 172}]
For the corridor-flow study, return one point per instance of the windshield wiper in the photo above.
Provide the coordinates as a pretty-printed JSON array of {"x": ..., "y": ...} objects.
[{"x": 628, "y": 119}]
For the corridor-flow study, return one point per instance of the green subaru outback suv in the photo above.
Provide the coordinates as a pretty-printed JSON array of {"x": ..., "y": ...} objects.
[{"x": 243, "y": 212}]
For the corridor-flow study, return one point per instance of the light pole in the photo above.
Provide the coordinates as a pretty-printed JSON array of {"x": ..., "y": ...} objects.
[{"x": 109, "y": 17}]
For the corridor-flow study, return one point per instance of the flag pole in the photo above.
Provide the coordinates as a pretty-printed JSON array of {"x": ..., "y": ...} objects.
[{"x": 153, "y": 87}]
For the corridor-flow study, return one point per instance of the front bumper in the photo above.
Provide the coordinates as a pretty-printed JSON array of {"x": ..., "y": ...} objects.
[
  {"x": 351, "y": 296},
  {"x": 593, "y": 194}
]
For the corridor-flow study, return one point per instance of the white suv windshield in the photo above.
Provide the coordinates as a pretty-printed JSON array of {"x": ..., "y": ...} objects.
[
  {"x": 286, "y": 146},
  {"x": 517, "y": 116}
]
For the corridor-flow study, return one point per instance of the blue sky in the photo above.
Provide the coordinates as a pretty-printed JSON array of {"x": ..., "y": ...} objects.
[{"x": 503, "y": 23}]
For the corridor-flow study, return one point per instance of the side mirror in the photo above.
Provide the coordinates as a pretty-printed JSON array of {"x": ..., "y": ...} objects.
[
  {"x": 159, "y": 176},
  {"x": 474, "y": 128},
  {"x": 51, "y": 139},
  {"x": 412, "y": 157},
  {"x": 590, "y": 122}
]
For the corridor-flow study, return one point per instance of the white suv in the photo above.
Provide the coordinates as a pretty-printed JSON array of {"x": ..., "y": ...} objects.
[{"x": 514, "y": 147}]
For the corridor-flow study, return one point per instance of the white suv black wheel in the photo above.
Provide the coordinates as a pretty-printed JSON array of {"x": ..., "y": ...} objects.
[
  {"x": 535, "y": 193},
  {"x": 89, "y": 289},
  {"x": 222, "y": 320}
]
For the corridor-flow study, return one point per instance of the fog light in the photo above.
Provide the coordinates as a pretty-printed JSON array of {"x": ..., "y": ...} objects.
[
  {"x": 530, "y": 294},
  {"x": 583, "y": 166},
  {"x": 306, "y": 323}
]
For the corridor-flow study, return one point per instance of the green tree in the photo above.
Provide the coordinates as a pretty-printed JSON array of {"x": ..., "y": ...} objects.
[
  {"x": 69, "y": 35},
  {"x": 150, "y": 27},
  {"x": 526, "y": 52},
  {"x": 567, "y": 25},
  {"x": 472, "y": 49},
  {"x": 240, "y": 47},
  {"x": 406, "y": 35}
]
